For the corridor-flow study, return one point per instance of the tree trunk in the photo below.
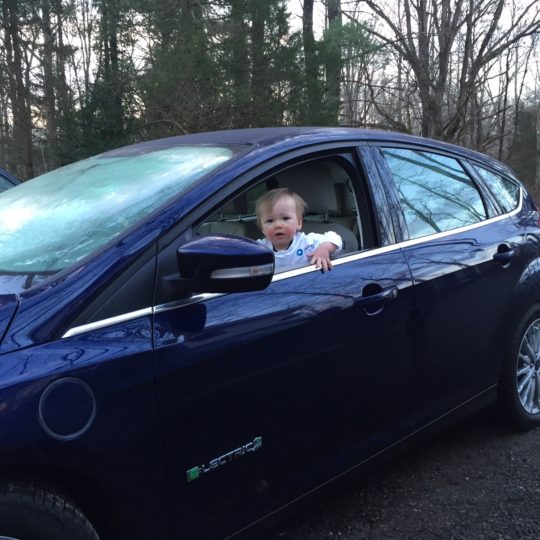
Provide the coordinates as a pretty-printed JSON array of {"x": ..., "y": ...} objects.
[
  {"x": 112, "y": 95},
  {"x": 259, "y": 109},
  {"x": 19, "y": 94},
  {"x": 334, "y": 62},
  {"x": 537, "y": 175},
  {"x": 503, "y": 113},
  {"x": 63, "y": 93},
  {"x": 48, "y": 78},
  {"x": 240, "y": 64},
  {"x": 311, "y": 73}
]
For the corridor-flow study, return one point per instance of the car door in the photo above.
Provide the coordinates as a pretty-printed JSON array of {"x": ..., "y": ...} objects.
[
  {"x": 465, "y": 261},
  {"x": 266, "y": 395}
]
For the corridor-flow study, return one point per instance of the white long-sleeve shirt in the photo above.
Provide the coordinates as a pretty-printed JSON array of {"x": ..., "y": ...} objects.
[{"x": 296, "y": 254}]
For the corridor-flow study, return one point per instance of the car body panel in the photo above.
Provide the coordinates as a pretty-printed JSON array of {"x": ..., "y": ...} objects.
[
  {"x": 459, "y": 288},
  {"x": 8, "y": 307},
  {"x": 48, "y": 400},
  {"x": 229, "y": 382}
]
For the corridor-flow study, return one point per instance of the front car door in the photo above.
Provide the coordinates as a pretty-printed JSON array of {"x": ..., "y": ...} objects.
[{"x": 266, "y": 395}]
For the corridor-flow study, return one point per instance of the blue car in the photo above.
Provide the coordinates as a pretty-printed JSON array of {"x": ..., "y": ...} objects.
[
  {"x": 7, "y": 180},
  {"x": 161, "y": 378}
]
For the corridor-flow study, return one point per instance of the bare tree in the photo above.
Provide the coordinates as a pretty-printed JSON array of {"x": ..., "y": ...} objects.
[
  {"x": 311, "y": 63},
  {"x": 49, "y": 104},
  {"x": 536, "y": 185},
  {"x": 333, "y": 59},
  {"x": 427, "y": 33}
]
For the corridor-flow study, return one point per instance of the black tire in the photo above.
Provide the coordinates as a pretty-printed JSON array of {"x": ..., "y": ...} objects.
[
  {"x": 28, "y": 512},
  {"x": 519, "y": 386}
]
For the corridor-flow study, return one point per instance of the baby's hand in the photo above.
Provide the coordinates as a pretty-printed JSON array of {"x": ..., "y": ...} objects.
[{"x": 321, "y": 256}]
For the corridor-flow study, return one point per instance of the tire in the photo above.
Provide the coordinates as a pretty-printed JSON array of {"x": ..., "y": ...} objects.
[
  {"x": 519, "y": 386},
  {"x": 28, "y": 512}
]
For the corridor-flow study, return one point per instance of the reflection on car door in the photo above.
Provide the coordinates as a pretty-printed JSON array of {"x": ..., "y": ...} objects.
[
  {"x": 462, "y": 292},
  {"x": 265, "y": 395},
  {"x": 460, "y": 287}
]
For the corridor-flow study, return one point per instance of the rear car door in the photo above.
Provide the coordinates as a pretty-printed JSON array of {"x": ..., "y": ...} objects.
[
  {"x": 464, "y": 255},
  {"x": 266, "y": 395}
]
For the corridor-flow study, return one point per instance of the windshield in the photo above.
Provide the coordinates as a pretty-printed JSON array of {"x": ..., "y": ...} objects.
[{"x": 56, "y": 219}]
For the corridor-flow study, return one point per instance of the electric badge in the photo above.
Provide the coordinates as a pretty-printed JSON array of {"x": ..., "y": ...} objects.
[{"x": 199, "y": 470}]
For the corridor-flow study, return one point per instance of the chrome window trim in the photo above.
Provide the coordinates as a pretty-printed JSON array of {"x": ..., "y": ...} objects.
[
  {"x": 77, "y": 330},
  {"x": 103, "y": 323},
  {"x": 195, "y": 299}
]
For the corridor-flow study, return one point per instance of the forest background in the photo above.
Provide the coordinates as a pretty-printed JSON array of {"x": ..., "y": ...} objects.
[{"x": 78, "y": 77}]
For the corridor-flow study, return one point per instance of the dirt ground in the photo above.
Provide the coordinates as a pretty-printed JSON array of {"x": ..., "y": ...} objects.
[{"x": 476, "y": 481}]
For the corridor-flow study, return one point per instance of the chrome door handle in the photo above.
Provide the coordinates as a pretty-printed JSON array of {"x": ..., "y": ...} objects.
[{"x": 379, "y": 298}]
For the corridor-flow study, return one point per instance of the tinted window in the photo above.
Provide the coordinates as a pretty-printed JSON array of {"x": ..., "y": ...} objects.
[
  {"x": 435, "y": 192},
  {"x": 504, "y": 190}
]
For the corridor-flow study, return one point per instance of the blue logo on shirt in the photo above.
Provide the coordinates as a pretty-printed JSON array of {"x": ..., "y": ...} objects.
[{"x": 299, "y": 252}]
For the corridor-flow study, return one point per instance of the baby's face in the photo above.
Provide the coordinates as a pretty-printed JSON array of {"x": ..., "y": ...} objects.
[{"x": 279, "y": 223}]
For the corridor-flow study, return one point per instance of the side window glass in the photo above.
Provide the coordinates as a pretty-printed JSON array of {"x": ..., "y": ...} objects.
[
  {"x": 327, "y": 190},
  {"x": 435, "y": 192},
  {"x": 504, "y": 190}
]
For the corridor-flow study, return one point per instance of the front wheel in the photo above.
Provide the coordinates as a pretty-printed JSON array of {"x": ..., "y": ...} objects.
[
  {"x": 29, "y": 512},
  {"x": 519, "y": 388}
]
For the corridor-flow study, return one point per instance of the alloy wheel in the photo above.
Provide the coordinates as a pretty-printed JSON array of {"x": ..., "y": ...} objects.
[{"x": 528, "y": 369}]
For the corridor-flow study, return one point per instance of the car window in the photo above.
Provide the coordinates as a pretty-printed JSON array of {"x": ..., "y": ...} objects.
[
  {"x": 56, "y": 219},
  {"x": 326, "y": 188},
  {"x": 435, "y": 192},
  {"x": 505, "y": 191}
]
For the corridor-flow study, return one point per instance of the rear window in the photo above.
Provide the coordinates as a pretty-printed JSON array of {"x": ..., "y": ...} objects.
[
  {"x": 505, "y": 191},
  {"x": 54, "y": 220}
]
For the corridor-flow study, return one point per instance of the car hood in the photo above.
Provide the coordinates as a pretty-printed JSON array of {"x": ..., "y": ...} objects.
[{"x": 8, "y": 307}]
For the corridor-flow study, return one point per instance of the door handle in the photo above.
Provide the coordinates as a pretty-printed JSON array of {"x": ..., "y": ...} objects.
[
  {"x": 504, "y": 257},
  {"x": 382, "y": 297}
]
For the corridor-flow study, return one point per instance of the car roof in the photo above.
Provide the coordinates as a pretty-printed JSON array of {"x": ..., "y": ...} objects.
[{"x": 305, "y": 136}]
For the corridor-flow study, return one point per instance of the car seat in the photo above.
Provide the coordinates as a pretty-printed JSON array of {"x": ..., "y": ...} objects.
[{"x": 315, "y": 184}]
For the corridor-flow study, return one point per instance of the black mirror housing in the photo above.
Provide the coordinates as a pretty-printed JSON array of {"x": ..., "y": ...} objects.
[{"x": 222, "y": 263}]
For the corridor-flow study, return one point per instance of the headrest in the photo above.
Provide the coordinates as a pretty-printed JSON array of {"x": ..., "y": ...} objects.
[
  {"x": 313, "y": 182},
  {"x": 238, "y": 206}
]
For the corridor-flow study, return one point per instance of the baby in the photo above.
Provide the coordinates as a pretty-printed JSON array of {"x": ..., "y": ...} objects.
[{"x": 279, "y": 216}]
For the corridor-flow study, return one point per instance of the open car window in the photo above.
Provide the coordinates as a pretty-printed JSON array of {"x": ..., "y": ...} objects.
[{"x": 325, "y": 185}]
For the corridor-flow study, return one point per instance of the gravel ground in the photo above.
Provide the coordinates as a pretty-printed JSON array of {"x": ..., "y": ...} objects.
[{"x": 476, "y": 481}]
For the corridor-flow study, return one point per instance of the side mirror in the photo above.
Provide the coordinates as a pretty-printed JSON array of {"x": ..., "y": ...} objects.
[{"x": 223, "y": 263}]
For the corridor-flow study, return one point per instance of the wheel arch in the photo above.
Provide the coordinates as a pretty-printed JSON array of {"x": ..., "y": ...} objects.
[{"x": 523, "y": 296}]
